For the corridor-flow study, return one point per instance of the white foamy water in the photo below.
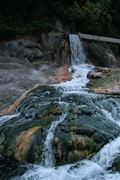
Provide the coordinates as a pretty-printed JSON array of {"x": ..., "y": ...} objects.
[
  {"x": 5, "y": 118},
  {"x": 77, "y": 54},
  {"x": 107, "y": 154},
  {"x": 78, "y": 68},
  {"x": 47, "y": 157},
  {"x": 110, "y": 116},
  {"x": 79, "y": 79},
  {"x": 86, "y": 170}
]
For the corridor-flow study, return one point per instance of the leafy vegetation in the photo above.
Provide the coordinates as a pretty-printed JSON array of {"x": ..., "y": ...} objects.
[
  {"x": 98, "y": 49},
  {"x": 99, "y": 17}
]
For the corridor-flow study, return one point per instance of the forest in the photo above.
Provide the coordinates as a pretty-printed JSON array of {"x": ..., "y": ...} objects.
[{"x": 98, "y": 17}]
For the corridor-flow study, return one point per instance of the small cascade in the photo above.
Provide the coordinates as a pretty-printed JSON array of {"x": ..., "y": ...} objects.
[
  {"x": 77, "y": 55},
  {"x": 47, "y": 156},
  {"x": 5, "y": 118},
  {"x": 78, "y": 68},
  {"x": 107, "y": 154}
]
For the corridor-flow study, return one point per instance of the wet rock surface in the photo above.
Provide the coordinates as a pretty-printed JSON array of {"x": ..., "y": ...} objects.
[
  {"x": 109, "y": 84},
  {"x": 83, "y": 131},
  {"x": 116, "y": 164}
]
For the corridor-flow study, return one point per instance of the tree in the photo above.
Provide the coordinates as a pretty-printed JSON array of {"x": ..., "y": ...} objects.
[{"x": 89, "y": 18}]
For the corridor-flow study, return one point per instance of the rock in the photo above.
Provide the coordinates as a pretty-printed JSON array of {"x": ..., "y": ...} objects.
[
  {"x": 101, "y": 72},
  {"x": 22, "y": 49},
  {"x": 81, "y": 134},
  {"x": 94, "y": 75},
  {"x": 32, "y": 126},
  {"x": 62, "y": 74},
  {"x": 58, "y": 25},
  {"x": 25, "y": 63},
  {"x": 102, "y": 69},
  {"x": 106, "y": 85},
  {"x": 100, "y": 54},
  {"x": 110, "y": 59},
  {"x": 84, "y": 129},
  {"x": 116, "y": 164},
  {"x": 16, "y": 77}
]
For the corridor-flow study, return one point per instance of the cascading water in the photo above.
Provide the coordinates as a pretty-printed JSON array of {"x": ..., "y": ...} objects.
[
  {"x": 97, "y": 168},
  {"x": 47, "y": 157},
  {"x": 77, "y": 54}
]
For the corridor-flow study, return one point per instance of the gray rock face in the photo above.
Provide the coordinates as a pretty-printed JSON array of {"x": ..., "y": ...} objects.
[
  {"x": 110, "y": 59},
  {"x": 24, "y": 64},
  {"x": 100, "y": 55},
  {"x": 17, "y": 76},
  {"x": 22, "y": 49}
]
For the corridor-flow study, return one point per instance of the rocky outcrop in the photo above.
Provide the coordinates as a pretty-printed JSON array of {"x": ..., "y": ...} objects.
[
  {"x": 82, "y": 132},
  {"x": 100, "y": 54},
  {"x": 83, "y": 129},
  {"x": 22, "y": 49},
  {"x": 25, "y": 63},
  {"x": 109, "y": 84},
  {"x": 109, "y": 59}
]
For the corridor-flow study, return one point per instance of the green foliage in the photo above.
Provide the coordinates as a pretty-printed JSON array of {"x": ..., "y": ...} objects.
[
  {"x": 59, "y": 10},
  {"x": 106, "y": 18},
  {"x": 101, "y": 17},
  {"x": 20, "y": 17},
  {"x": 114, "y": 48},
  {"x": 90, "y": 17},
  {"x": 98, "y": 49},
  {"x": 74, "y": 12}
]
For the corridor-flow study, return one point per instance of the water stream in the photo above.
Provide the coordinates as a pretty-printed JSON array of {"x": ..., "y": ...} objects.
[
  {"x": 47, "y": 157},
  {"x": 98, "y": 167}
]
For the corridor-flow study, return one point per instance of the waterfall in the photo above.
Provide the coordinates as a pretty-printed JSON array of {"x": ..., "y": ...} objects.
[
  {"x": 78, "y": 68},
  {"x": 77, "y": 54}
]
